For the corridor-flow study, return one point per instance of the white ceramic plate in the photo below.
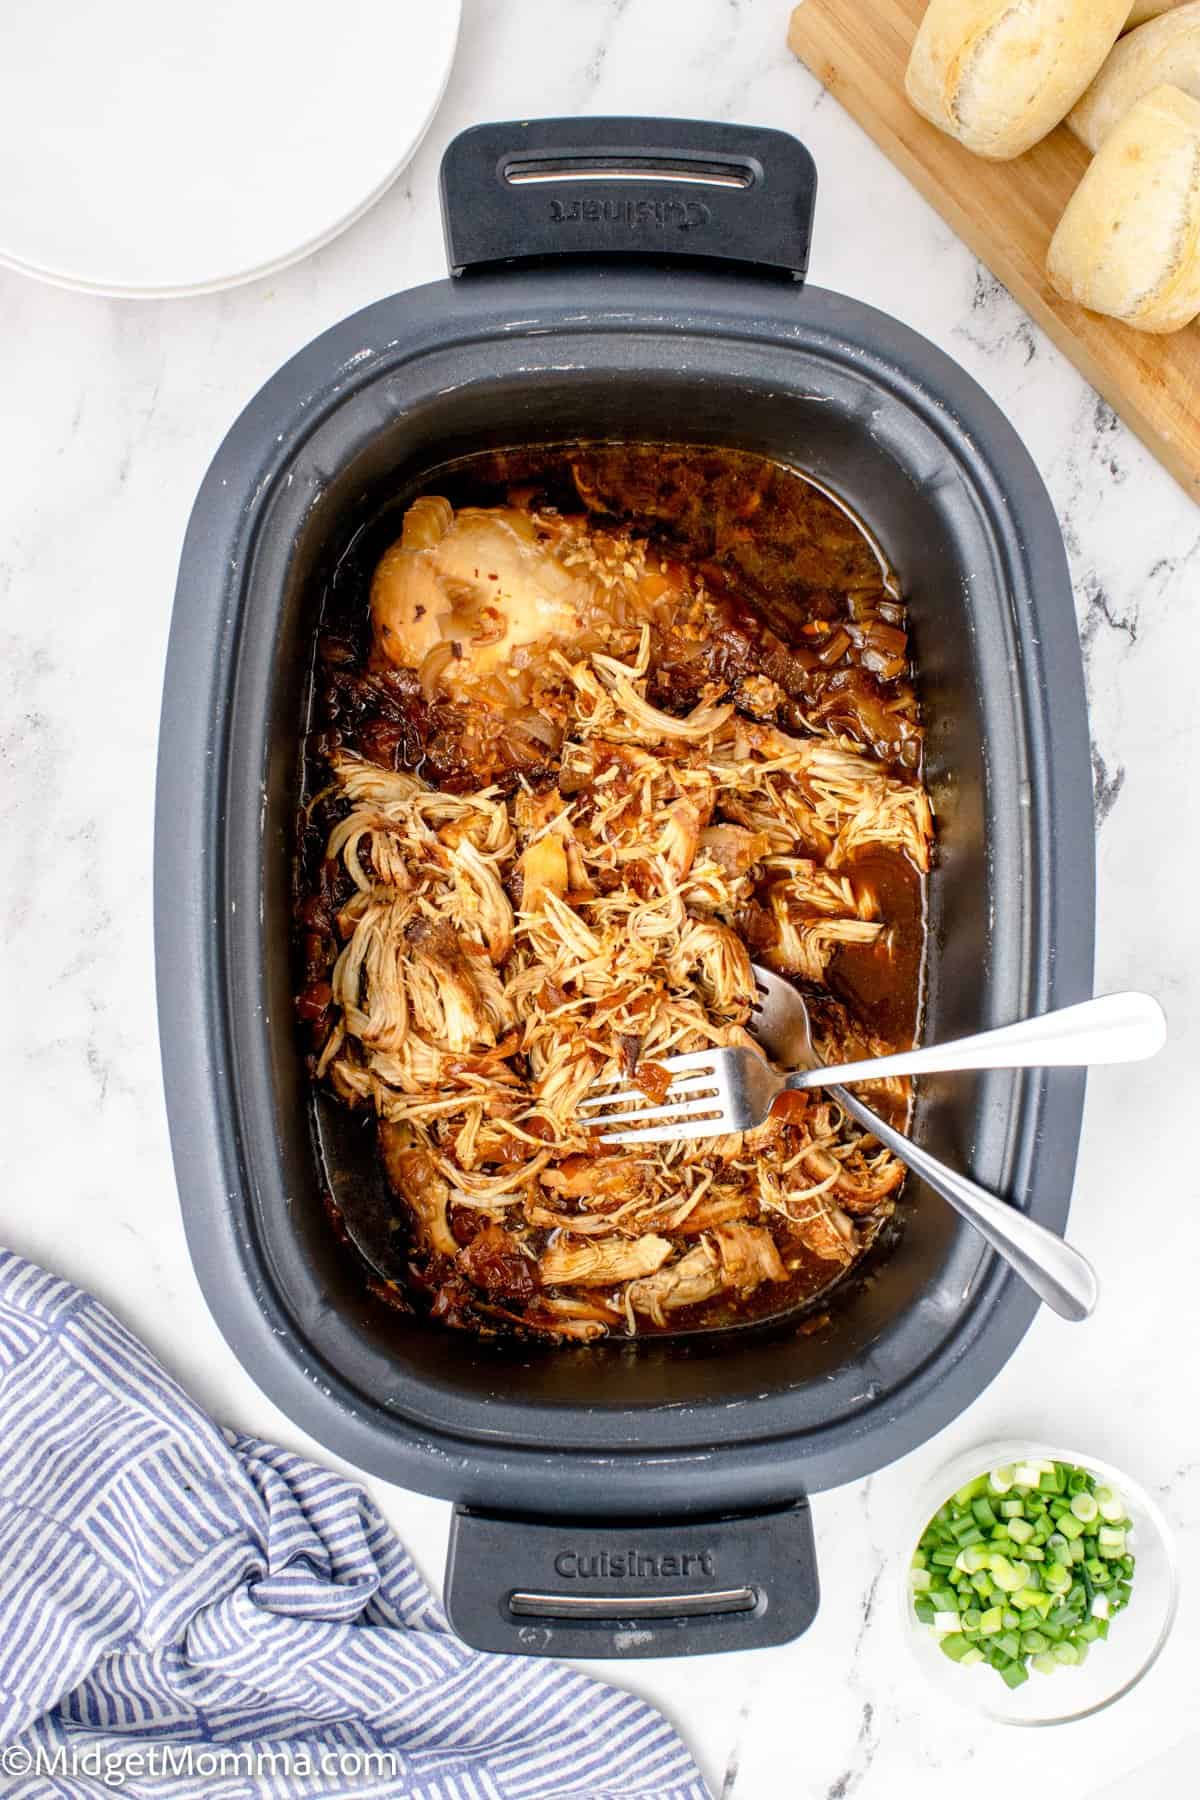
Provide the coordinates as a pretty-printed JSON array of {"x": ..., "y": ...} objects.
[{"x": 158, "y": 147}]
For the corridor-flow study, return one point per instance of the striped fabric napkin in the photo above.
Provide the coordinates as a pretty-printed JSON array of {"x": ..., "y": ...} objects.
[{"x": 190, "y": 1612}]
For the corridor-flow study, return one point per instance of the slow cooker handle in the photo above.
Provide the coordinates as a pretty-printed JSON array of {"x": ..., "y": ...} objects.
[
  {"x": 548, "y": 188},
  {"x": 578, "y": 1587}
]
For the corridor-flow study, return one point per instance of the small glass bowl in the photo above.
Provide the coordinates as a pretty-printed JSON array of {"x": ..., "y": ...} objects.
[{"x": 1115, "y": 1665}]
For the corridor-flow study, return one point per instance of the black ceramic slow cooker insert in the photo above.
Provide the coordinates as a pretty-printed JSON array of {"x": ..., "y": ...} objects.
[{"x": 621, "y": 280}]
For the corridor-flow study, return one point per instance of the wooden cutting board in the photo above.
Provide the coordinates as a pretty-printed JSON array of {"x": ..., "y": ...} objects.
[{"x": 1007, "y": 213}]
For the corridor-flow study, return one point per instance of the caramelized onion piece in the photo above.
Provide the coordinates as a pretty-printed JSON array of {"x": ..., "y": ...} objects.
[{"x": 433, "y": 665}]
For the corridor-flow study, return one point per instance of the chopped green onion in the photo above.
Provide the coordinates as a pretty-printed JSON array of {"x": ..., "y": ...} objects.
[
  {"x": 973, "y": 1489},
  {"x": 1009, "y": 1576},
  {"x": 1022, "y": 1568}
]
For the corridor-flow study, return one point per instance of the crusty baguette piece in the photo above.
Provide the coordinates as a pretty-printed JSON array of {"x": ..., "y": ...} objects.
[
  {"x": 1129, "y": 242},
  {"x": 1149, "y": 9},
  {"x": 999, "y": 74},
  {"x": 1167, "y": 50}
]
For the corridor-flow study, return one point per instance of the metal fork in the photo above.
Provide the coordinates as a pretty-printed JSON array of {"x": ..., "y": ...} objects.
[
  {"x": 1055, "y": 1271},
  {"x": 716, "y": 1091}
]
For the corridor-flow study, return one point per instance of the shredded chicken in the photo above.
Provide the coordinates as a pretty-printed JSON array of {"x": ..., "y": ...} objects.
[
  {"x": 695, "y": 1278},
  {"x": 413, "y": 1172},
  {"x": 748, "y": 1255},
  {"x": 505, "y": 948},
  {"x": 602, "y": 1263}
]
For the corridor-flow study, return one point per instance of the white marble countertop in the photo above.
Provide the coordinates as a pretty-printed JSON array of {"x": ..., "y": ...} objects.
[{"x": 111, "y": 413}]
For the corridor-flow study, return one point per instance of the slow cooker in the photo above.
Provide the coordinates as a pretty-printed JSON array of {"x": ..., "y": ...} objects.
[{"x": 637, "y": 281}]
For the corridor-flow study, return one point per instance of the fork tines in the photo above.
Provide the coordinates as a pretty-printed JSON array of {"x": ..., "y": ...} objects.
[{"x": 693, "y": 1106}]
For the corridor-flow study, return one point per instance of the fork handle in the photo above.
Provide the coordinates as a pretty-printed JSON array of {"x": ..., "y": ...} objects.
[
  {"x": 1117, "y": 1028},
  {"x": 1059, "y": 1275}
]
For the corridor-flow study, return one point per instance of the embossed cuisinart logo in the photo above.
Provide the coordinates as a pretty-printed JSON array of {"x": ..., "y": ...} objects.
[
  {"x": 680, "y": 215},
  {"x": 633, "y": 1565}
]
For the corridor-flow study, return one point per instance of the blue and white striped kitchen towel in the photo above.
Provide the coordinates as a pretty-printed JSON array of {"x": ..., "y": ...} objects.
[{"x": 189, "y": 1612}]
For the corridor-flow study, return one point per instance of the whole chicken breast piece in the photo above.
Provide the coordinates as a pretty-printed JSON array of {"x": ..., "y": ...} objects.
[{"x": 485, "y": 582}]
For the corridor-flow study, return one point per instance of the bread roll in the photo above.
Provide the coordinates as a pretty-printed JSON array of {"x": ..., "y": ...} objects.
[
  {"x": 999, "y": 74},
  {"x": 1165, "y": 51},
  {"x": 1149, "y": 9},
  {"x": 1129, "y": 241}
]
